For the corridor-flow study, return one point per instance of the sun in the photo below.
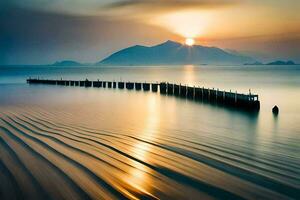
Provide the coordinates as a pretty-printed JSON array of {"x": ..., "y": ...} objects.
[{"x": 189, "y": 41}]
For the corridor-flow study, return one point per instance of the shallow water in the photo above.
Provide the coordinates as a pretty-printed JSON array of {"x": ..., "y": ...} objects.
[{"x": 80, "y": 143}]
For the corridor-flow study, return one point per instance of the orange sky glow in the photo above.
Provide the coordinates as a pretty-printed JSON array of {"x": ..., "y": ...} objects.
[{"x": 268, "y": 28}]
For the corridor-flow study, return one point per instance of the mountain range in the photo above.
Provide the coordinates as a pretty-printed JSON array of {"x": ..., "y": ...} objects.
[
  {"x": 67, "y": 63},
  {"x": 173, "y": 53},
  {"x": 277, "y": 62}
]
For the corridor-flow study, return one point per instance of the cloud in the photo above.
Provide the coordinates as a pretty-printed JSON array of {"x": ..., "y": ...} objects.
[
  {"x": 115, "y": 7},
  {"x": 37, "y": 37},
  {"x": 169, "y": 5},
  {"x": 43, "y": 31}
]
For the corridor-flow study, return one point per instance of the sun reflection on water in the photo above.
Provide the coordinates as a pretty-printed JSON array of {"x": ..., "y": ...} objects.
[
  {"x": 189, "y": 74},
  {"x": 139, "y": 177}
]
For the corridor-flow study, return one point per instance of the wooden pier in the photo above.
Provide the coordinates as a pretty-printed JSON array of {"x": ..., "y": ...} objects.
[{"x": 242, "y": 101}]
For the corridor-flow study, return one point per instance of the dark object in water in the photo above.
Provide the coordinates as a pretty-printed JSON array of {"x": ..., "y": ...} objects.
[{"x": 275, "y": 110}]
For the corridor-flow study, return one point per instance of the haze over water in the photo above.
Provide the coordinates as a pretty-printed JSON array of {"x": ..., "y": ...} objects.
[{"x": 80, "y": 143}]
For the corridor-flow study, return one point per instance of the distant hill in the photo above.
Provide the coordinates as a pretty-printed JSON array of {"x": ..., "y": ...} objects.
[
  {"x": 67, "y": 63},
  {"x": 280, "y": 62},
  {"x": 173, "y": 53},
  {"x": 254, "y": 63}
]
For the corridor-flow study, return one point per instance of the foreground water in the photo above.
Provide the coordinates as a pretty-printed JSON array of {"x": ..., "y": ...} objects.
[{"x": 81, "y": 143}]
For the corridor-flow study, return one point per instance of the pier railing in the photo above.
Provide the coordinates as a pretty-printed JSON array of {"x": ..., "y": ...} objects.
[{"x": 233, "y": 99}]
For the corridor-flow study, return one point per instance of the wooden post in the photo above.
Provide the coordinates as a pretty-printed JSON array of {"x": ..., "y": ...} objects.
[
  {"x": 146, "y": 86},
  {"x": 163, "y": 88},
  {"x": 121, "y": 85},
  {"x": 183, "y": 91},
  {"x": 138, "y": 86},
  {"x": 176, "y": 90},
  {"x": 154, "y": 87},
  {"x": 129, "y": 86},
  {"x": 235, "y": 97},
  {"x": 170, "y": 88}
]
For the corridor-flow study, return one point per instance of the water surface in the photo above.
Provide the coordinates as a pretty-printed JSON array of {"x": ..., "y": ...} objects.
[{"x": 81, "y": 143}]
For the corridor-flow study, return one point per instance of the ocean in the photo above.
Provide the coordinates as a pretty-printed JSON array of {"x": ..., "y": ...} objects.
[{"x": 59, "y": 142}]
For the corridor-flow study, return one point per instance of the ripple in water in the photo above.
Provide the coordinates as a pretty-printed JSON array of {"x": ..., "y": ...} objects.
[
  {"x": 95, "y": 143},
  {"x": 55, "y": 155}
]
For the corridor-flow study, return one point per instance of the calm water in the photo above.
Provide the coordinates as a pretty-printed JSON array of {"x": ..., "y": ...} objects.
[{"x": 95, "y": 143}]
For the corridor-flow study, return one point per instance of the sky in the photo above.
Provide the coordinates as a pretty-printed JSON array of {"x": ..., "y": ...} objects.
[{"x": 45, "y": 31}]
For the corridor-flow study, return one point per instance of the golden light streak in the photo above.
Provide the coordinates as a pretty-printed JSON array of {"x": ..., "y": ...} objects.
[
  {"x": 138, "y": 176},
  {"x": 188, "y": 23}
]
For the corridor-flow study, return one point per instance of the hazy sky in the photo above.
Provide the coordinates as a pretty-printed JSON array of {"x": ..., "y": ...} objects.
[{"x": 44, "y": 31}]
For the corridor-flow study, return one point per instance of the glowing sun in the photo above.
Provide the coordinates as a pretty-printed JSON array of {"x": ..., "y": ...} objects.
[{"x": 189, "y": 41}]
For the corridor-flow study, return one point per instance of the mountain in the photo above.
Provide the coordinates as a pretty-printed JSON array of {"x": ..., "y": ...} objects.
[
  {"x": 280, "y": 62},
  {"x": 254, "y": 63},
  {"x": 173, "y": 53},
  {"x": 67, "y": 63}
]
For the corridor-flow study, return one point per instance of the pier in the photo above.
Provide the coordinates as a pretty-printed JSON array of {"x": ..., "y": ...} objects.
[{"x": 248, "y": 102}]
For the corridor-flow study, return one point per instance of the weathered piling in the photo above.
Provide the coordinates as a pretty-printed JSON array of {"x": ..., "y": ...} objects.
[
  {"x": 52, "y": 82},
  {"x": 97, "y": 84},
  {"x": 121, "y": 85},
  {"x": 87, "y": 83},
  {"x": 198, "y": 93},
  {"x": 205, "y": 94},
  {"x": 163, "y": 88},
  {"x": 154, "y": 87},
  {"x": 170, "y": 89},
  {"x": 129, "y": 86},
  {"x": 81, "y": 83},
  {"x": 176, "y": 90},
  {"x": 247, "y": 101},
  {"x": 219, "y": 95},
  {"x": 60, "y": 82},
  {"x": 146, "y": 86},
  {"x": 182, "y": 91},
  {"x": 212, "y": 95},
  {"x": 138, "y": 86},
  {"x": 275, "y": 110},
  {"x": 190, "y": 92},
  {"x": 109, "y": 84},
  {"x": 234, "y": 99},
  {"x": 229, "y": 98}
]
